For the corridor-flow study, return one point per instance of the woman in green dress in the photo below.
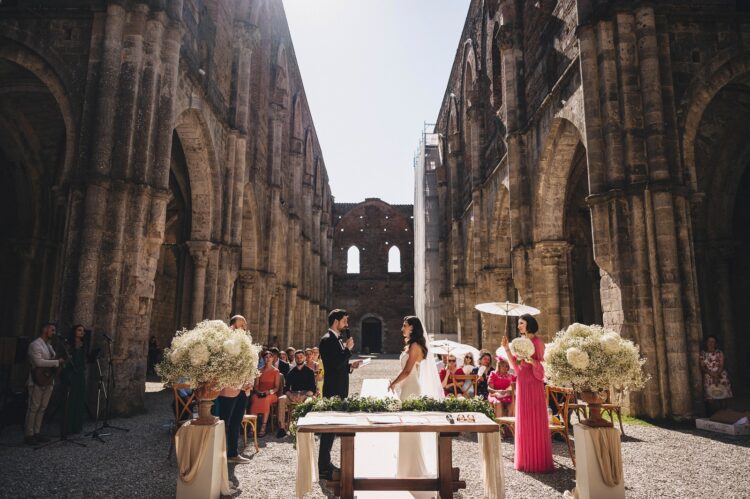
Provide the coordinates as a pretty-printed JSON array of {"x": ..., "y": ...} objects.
[{"x": 74, "y": 379}]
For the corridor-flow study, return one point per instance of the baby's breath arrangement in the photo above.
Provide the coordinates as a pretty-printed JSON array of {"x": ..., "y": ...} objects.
[
  {"x": 593, "y": 358},
  {"x": 210, "y": 354}
]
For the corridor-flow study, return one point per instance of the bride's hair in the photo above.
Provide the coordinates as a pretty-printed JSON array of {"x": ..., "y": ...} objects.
[{"x": 416, "y": 335}]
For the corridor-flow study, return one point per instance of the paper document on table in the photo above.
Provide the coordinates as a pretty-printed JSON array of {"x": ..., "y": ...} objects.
[
  {"x": 384, "y": 419},
  {"x": 328, "y": 420}
]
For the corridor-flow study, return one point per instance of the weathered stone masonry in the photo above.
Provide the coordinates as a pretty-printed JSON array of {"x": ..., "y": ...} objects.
[
  {"x": 594, "y": 164},
  {"x": 159, "y": 167}
]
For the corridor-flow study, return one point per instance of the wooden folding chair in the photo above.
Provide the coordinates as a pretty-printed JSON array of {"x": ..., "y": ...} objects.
[
  {"x": 182, "y": 408},
  {"x": 614, "y": 409},
  {"x": 509, "y": 421},
  {"x": 561, "y": 400},
  {"x": 461, "y": 379},
  {"x": 251, "y": 420}
]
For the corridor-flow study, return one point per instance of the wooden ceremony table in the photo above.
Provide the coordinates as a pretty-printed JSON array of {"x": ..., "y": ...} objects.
[{"x": 447, "y": 482}]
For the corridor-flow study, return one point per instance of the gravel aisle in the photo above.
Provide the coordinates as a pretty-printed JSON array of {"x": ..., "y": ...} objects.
[{"x": 659, "y": 462}]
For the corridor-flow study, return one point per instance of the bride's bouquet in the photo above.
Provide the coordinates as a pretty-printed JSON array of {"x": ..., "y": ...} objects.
[
  {"x": 522, "y": 348},
  {"x": 211, "y": 354}
]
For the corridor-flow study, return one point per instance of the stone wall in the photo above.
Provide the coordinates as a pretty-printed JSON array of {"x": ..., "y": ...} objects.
[
  {"x": 575, "y": 141},
  {"x": 168, "y": 171},
  {"x": 374, "y": 227}
]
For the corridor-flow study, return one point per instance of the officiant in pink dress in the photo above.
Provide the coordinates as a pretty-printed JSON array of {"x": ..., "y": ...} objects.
[{"x": 533, "y": 440}]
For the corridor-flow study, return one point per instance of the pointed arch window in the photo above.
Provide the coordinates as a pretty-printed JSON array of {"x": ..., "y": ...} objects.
[
  {"x": 394, "y": 259},
  {"x": 352, "y": 260}
]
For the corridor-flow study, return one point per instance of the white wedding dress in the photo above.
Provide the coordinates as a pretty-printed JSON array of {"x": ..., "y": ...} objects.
[{"x": 417, "y": 452}]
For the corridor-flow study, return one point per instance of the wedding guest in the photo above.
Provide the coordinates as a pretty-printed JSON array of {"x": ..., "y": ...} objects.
[
  {"x": 500, "y": 389},
  {"x": 265, "y": 393},
  {"x": 716, "y": 387},
  {"x": 533, "y": 446},
  {"x": 74, "y": 379},
  {"x": 232, "y": 402},
  {"x": 483, "y": 370},
  {"x": 153, "y": 354},
  {"x": 290, "y": 354},
  {"x": 279, "y": 364},
  {"x": 441, "y": 362},
  {"x": 467, "y": 368},
  {"x": 283, "y": 357},
  {"x": 41, "y": 355},
  {"x": 320, "y": 373},
  {"x": 450, "y": 385},
  {"x": 299, "y": 386}
]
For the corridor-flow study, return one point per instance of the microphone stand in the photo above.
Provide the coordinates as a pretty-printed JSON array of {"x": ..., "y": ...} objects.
[{"x": 105, "y": 389}]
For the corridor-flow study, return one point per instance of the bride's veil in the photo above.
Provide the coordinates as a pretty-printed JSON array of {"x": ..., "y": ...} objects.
[{"x": 429, "y": 380}]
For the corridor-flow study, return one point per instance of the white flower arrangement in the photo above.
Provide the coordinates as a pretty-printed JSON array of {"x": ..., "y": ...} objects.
[
  {"x": 522, "y": 348},
  {"x": 593, "y": 358},
  {"x": 212, "y": 353}
]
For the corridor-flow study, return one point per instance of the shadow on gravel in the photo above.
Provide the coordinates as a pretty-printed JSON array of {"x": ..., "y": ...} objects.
[
  {"x": 562, "y": 479},
  {"x": 629, "y": 439},
  {"x": 688, "y": 428}
]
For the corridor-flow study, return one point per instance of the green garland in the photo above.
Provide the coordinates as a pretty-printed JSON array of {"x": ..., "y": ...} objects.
[{"x": 373, "y": 404}]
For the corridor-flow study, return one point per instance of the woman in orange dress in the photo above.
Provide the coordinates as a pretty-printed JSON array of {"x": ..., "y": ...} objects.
[{"x": 265, "y": 392}]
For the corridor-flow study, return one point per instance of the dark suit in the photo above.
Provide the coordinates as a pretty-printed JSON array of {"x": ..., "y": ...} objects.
[{"x": 335, "y": 358}]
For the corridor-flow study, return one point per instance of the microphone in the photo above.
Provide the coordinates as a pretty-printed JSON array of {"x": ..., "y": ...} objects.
[{"x": 104, "y": 335}]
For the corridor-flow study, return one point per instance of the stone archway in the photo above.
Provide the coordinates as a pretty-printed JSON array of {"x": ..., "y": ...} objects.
[
  {"x": 372, "y": 332},
  {"x": 34, "y": 152},
  {"x": 719, "y": 162}
]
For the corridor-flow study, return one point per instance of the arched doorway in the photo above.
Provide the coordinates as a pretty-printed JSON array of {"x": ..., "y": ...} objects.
[
  {"x": 722, "y": 223},
  {"x": 372, "y": 335},
  {"x": 32, "y": 216},
  {"x": 171, "y": 306},
  {"x": 584, "y": 273}
]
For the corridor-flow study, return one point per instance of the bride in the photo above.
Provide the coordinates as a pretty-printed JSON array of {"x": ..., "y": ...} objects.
[{"x": 417, "y": 452}]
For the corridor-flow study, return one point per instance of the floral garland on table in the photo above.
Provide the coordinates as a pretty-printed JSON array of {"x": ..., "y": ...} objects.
[
  {"x": 210, "y": 354},
  {"x": 593, "y": 358},
  {"x": 373, "y": 404}
]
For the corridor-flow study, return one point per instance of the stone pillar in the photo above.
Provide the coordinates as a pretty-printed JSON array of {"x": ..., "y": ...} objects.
[
  {"x": 212, "y": 282},
  {"x": 25, "y": 253},
  {"x": 721, "y": 253},
  {"x": 200, "y": 251},
  {"x": 553, "y": 255},
  {"x": 248, "y": 285}
]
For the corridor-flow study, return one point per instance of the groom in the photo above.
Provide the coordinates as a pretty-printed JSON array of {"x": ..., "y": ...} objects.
[{"x": 335, "y": 350}]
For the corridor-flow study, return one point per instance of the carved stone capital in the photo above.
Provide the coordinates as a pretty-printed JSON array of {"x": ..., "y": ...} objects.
[
  {"x": 200, "y": 252},
  {"x": 552, "y": 252},
  {"x": 248, "y": 278},
  {"x": 505, "y": 36}
]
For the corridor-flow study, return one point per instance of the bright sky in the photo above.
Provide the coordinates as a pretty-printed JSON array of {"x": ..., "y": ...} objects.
[{"x": 374, "y": 71}]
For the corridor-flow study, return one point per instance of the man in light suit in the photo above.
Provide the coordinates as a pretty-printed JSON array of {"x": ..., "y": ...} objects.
[
  {"x": 40, "y": 354},
  {"x": 335, "y": 350}
]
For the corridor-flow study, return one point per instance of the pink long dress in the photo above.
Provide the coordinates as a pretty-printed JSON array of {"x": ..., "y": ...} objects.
[{"x": 533, "y": 439}]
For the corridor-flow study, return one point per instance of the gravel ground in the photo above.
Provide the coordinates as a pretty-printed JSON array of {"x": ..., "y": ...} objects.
[{"x": 675, "y": 462}]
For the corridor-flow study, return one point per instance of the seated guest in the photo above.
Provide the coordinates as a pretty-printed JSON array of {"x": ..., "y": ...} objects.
[
  {"x": 467, "y": 368},
  {"x": 300, "y": 385},
  {"x": 716, "y": 387},
  {"x": 283, "y": 357},
  {"x": 483, "y": 370},
  {"x": 290, "y": 354},
  {"x": 500, "y": 389},
  {"x": 279, "y": 364},
  {"x": 265, "y": 392},
  {"x": 441, "y": 362},
  {"x": 321, "y": 370},
  {"x": 450, "y": 385}
]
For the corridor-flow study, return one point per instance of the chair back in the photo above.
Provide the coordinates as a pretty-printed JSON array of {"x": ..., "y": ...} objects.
[
  {"x": 560, "y": 398},
  {"x": 181, "y": 406},
  {"x": 460, "y": 379}
]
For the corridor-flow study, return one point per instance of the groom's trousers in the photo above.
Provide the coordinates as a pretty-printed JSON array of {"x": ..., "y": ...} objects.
[{"x": 324, "y": 455}]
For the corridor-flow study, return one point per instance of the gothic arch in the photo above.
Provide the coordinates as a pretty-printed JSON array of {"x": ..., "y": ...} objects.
[
  {"x": 555, "y": 168},
  {"x": 32, "y": 61},
  {"x": 280, "y": 87},
  {"x": 205, "y": 185},
  {"x": 725, "y": 67},
  {"x": 251, "y": 231}
]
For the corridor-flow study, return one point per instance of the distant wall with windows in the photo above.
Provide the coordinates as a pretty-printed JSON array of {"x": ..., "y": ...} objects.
[{"x": 373, "y": 271}]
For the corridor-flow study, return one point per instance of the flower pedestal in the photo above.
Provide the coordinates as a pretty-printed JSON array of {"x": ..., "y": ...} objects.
[
  {"x": 598, "y": 463},
  {"x": 206, "y": 396},
  {"x": 201, "y": 461},
  {"x": 594, "y": 400}
]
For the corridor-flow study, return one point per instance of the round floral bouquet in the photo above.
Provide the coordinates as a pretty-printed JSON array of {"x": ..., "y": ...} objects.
[
  {"x": 210, "y": 354},
  {"x": 592, "y": 358},
  {"x": 522, "y": 348}
]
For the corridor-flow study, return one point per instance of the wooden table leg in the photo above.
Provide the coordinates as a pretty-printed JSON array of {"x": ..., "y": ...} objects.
[
  {"x": 445, "y": 463},
  {"x": 347, "y": 466}
]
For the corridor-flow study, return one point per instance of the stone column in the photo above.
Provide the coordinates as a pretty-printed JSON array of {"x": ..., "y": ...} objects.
[
  {"x": 553, "y": 255},
  {"x": 25, "y": 253},
  {"x": 199, "y": 251},
  {"x": 212, "y": 282},
  {"x": 721, "y": 253}
]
